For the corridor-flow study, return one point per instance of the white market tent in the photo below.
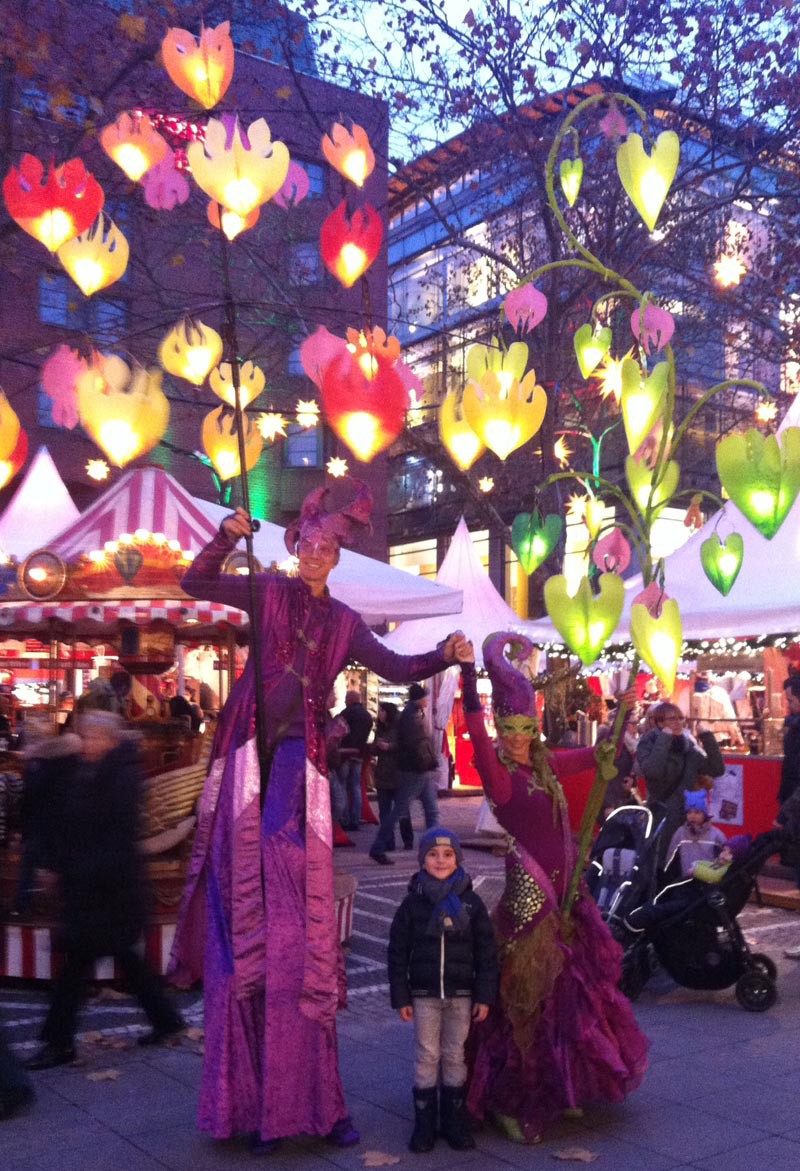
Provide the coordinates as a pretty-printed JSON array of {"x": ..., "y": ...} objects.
[
  {"x": 765, "y": 598},
  {"x": 40, "y": 508},
  {"x": 150, "y": 499},
  {"x": 484, "y": 611}
]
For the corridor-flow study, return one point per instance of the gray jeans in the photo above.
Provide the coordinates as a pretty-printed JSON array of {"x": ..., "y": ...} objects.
[{"x": 440, "y": 1033}]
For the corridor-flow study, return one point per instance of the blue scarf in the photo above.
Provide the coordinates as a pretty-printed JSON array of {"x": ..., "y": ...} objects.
[{"x": 449, "y": 913}]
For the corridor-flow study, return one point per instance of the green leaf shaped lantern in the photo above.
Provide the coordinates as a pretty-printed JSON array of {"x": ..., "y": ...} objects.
[
  {"x": 761, "y": 475},
  {"x": 722, "y": 560},
  {"x": 534, "y": 539},
  {"x": 591, "y": 346},
  {"x": 645, "y": 493},
  {"x": 570, "y": 174},
  {"x": 658, "y": 639},
  {"x": 641, "y": 400},
  {"x": 584, "y": 621},
  {"x": 648, "y": 178}
]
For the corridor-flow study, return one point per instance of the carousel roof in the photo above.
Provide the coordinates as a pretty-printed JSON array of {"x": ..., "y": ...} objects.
[{"x": 40, "y": 508}]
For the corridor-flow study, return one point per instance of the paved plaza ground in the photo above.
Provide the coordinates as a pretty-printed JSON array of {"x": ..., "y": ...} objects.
[{"x": 721, "y": 1094}]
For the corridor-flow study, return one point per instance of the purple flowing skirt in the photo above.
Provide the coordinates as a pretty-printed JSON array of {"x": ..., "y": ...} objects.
[
  {"x": 574, "y": 1040},
  {"x": 267, "y": 1069}
]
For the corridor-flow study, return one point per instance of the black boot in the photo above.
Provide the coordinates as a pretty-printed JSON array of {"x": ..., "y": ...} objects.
[
  {"x": 453, "y": 1118},
  {"x": 424, "y": 1135}
]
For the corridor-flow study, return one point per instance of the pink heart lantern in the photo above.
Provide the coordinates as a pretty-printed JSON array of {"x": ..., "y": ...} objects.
[
  {"x": 612, "y": 553},
  {"x": 655, "y": 330},
  {"x": 59, "y": 376},
  {"x": 652, "y": 598},
  {"x": 295, "y": 187},
  {"x": 164, "y": 185},
  {"x": 525, "y": 307},
  {"x": 318, "y": 351}
]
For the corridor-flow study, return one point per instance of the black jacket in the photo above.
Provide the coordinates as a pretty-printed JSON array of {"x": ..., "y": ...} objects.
[
  {"x": 96, "y": 855},
  {"x": 448, "y": 965},
  {"x": 415, "y": 750},
  {"x": 359, "y": 725},
  {"x": 790, "y": 770}
]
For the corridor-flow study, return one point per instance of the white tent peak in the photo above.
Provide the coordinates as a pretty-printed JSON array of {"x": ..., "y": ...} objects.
[
  {"x": 40, "y": 508},
  {"x": 484, "y": 612}
]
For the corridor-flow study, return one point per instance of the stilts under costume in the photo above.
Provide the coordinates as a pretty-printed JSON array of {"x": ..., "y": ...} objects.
[
  {"x": 258, "y": 920},
  {"x": 562, "y": 1035}
]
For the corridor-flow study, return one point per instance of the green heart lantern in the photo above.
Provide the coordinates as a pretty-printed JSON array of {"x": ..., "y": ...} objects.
[
  {"x": 591, "y": 347},
  {"x": 534, "y": 539},
  {"x": 641, "y": 400},
  {"x": 648, "y": 178},
  {"x": 570, "y": 174},
  {"x": 658, "y": 640},
  {"x": 722, "y": 560},
  {"x": 640, "y": 481},
  {"x": 584, "y": 621},
  {"x": 761, "y": 476}
]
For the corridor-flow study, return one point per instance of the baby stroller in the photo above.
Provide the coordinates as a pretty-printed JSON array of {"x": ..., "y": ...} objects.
[
  {"x": 691, "y": 927},
  {"x": 623, "y": 865}
]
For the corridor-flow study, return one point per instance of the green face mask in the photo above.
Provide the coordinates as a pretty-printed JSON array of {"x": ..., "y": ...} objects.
[{"x": 517, "y": 726}]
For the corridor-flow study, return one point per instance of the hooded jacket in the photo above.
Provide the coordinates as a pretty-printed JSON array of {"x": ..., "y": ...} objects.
[{"x": 458, "y": 963}]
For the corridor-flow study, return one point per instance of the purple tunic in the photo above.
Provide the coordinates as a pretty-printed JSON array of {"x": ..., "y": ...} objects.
[
  {"x": 562, "y": 1035},
  {"x": 258, "y": 921}
]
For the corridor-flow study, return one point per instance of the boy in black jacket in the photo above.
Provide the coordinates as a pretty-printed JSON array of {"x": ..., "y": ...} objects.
[{"x": 442, "y": 974}]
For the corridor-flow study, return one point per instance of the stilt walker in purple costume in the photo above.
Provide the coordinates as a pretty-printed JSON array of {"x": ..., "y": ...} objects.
[
  {"x": 562, "y": 1035},
  {"x": 258, "y": 920}
]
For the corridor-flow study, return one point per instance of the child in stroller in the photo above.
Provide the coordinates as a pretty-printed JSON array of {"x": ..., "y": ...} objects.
[
  {"x": 691, "y": 926},
  {"x": 623, "y": 865}
]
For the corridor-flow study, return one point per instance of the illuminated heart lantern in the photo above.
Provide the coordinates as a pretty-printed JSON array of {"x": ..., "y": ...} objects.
[
  {"x": 640, "y": 480},
  {"x": 641, "y": 400},
  {"x": 612, "y": 553},
  {"x": 534, "y": 539},
  {"x": 658, "y": 639},
  {"x": 594, "y": 513},
  {"x": 570, "y": 174},
  {"x": 584, "y": 621},
  {"x": 761, "y": 475},
  {"x": 722, "y": 560},
  {"x": 591, "y": 347},
  {"x": 648, "y": 178}
]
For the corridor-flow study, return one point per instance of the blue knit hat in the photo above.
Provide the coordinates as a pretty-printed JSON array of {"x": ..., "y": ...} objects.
[
  {"x": 695, "y": 800},
  {"x": 438, "y": 835}
]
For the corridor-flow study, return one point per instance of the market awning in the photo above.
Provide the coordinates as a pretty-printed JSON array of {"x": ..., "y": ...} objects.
[{"x": 95, "y": 618}]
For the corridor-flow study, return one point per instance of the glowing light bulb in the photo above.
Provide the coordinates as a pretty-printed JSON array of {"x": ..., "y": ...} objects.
[
  {"x": 353, "y": 261},
  {"x": 241, "y": 195},
  {"x": 54, "y": 228}
]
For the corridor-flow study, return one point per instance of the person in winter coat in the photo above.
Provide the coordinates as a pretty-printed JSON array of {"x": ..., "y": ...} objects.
[
  {"x": 671, "y": 763},
  {"x": 387, "y": 780},
  {"x": 351, "y": 754},
  {"x": 101, "y": 877},
  {"x": 698, "y": 839},
  {"x": 417, "y": 764},
  {"x": 442, "y": 974}
]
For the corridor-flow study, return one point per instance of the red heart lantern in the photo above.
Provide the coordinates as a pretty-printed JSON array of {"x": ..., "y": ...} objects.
[
  {"x": 350, "y": 246},
  {"x": 367, "y": 413},
  {"x": 55, "y": 209}
]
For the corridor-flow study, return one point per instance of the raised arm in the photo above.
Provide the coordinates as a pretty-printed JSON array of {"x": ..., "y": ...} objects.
[
  {"x": 495, "y": 778},
  {"x": 204, "y": 577},
  {"x": 365, "y": 647}
]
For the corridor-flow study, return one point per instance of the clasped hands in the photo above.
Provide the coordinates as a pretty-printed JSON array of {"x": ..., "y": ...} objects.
[{"x": 458, "y": 648}]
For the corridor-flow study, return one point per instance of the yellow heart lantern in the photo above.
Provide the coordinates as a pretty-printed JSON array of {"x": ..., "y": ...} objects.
[
  {"x": 134, "y": 144},
  {"x": 124, "y": 410},
  {"x": 584, "y": 621},
  {"x": 642, "y": 400},
  {"x": 461, "y": 442},
  {"x": 97, "y": 258},
  {"x": 200, "y": 68},
  {"x": 648, "y": 178},
  {"x": 240, "y": 170},
  {"x": 221, "y": 443},
  {"x": 570, "y": 174},
  {"x": 658, "y": 639},
  {"x": 503, "y": 405},
  {"x": 190, "y": 350},
  {"x": 252, "y": 381}
]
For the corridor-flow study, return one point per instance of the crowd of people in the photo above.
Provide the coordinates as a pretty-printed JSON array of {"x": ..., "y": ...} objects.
[{"x": 517, "y": 1017}]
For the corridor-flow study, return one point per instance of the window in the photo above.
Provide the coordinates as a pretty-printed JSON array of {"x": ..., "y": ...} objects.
[
  {"x": 316, "y": 180},
  {"x": 62, "y": 303},
  {"x": 44, "y": 409},
  {"x": 302, "y": 447},
  {"x": 110, "y": 320},
  {"x": 418, "y": 558},
  {"x": 293, "y": 363},
  {"x": 54, "y": 300},
  {"x": 305, "y": 264}
]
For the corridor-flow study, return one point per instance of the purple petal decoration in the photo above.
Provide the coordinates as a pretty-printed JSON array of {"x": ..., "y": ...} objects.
[
  {"x": 318, "y": 351},
  {"x": 295, "y": 187},
  {"x": 525, "y": 307},
  {"x": 656, "y": 329},
  {"x": 59, "y": 376},
  {"x": 164, "y": 185},
  {"x": 612, "y": 553},
  {"x": 652, "y": 598},
  {"x": 613, "y": 124},
  {"x": 410, "y": 381}
]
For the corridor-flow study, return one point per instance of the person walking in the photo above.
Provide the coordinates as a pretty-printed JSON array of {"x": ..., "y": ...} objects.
[
  {"x": 417, "y": 764},
  {"x": 97, "y": 860},
  {"x": 352, "y": 750},
  {"x": 387, "y": 781},
  {"x": 258, "y": 921}
]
